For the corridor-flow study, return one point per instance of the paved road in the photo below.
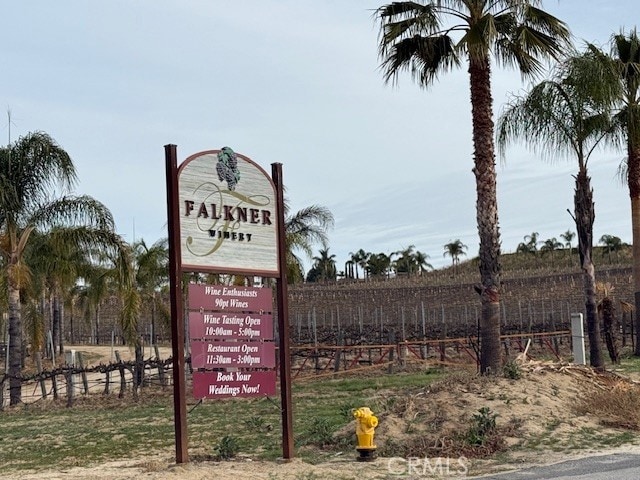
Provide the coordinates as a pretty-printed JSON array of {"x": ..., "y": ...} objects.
[{"x": 618, "y": 466}]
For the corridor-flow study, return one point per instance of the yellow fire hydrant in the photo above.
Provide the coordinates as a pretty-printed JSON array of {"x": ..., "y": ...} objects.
[{"x": 366, "y": 422}]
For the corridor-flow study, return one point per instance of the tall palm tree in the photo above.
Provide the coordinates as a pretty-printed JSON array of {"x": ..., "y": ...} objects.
[
  {"x": 302, "y": 230},
  {"x": 418, "y": 36},
  {"x": 420, "y": 259},
  {"x": 61, "y": 257},
  {"x": 455, "y": 249},
  {"x": 94, "y": 289},
  {"x": 348, "y": 269},
  {"x": 35, "y": 175},
  {"x": 611, "y": 244},
  {"x": 568, "y": 237},
  {"x": 324, "y": 267},
  {"x": 152, "y": 277},
  {"x": 624, "y": 63},
  {"x": 378, "y": 265},
  {"x": 550, "y": 245},
  {"x": 568, "y": 115},
  {"x": 359, "y": 259},
  {"x": 405, "y": 263},
  {"x": 52, "y": 269},
  {"x": 530, "y": 245}
]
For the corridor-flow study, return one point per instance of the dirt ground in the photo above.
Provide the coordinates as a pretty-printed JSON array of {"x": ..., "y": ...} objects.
[
  {"x": 336, "y": 469},
  {"x": 540, "y": 405}
]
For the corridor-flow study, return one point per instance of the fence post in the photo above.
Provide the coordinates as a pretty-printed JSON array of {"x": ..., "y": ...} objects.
[
  {"x": 392, "y": 341},
  {"x": 123, "y": 383},
  {"x": 340, "y": 342},
  {"x": 106, "y": 382},
  {"x": 85, "y": 383},
  {"x": 2, "y": 382},
  {"x": 160, "y": 366},
  {"x": 54, "y": 385},
  {"x": 43, "y": 389},
  {"x": 69, "y": 376}
]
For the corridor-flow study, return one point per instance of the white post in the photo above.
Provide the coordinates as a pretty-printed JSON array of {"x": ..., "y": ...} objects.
[{"x": 577, "y": 335}]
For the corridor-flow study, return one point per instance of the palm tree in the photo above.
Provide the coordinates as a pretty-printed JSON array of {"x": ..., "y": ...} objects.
[
  {"x": 420, "y": 259},
  {"x": 611, "y": 243},
  {"x": 405, "y": 263},
  {"x": 606, "y": 310},
  {"x": 53, "y": 268},
  {"x": 152, "y": 277},
  {"x": 410, "y": 262},
  {"x": 31, "y": 172},
  {"x": 359, "y": 259},
  {"x": 378, "y": 265},
  {"x": 349, "y": 266},
  {"x": 568, "y": 237},
  {"x": 302, "y": 230},
  {"x": 324, "y": 267},
  {"x": 569, "y": 115},
  {"x": 550, "y": 245},
  {"x": 624, "y": 63},
  {"x": 455, "y": 249},
  {"x": 93, "y": 290},
  {"x": 414, "y": 37},
  {"x": 530, "y": 244}
]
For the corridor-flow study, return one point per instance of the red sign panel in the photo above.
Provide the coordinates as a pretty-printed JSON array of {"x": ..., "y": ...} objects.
[
  {"x": 233, "y": 354},
  {"x": 245, "y": 326},
  {"x": 234, "y": 384},
  {"x": 223, "y": 298}
]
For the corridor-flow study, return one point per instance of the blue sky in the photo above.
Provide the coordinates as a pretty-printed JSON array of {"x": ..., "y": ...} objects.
[{"x": 289, "y": 81}]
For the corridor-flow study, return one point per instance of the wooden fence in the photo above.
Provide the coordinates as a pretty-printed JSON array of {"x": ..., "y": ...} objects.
[
  {"x": 68, "y": 380},
  {"x": 308, "y": 361}
]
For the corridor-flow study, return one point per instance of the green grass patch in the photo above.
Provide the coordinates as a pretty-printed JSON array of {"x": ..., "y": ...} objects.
[
  {"x": 628, "y": 364},
  {"x": 47, "y": 435}
]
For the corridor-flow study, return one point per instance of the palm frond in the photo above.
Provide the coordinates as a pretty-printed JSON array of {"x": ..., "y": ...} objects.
[
  {"x": 423, "y": 57},
  {"x": 72, "y": 211}
]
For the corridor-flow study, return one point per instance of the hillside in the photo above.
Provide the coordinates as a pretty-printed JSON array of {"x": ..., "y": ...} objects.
[{"x": 539, "y": 294}]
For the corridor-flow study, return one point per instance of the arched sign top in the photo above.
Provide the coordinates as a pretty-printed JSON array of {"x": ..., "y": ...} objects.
[{"x": 228, "y": 215}]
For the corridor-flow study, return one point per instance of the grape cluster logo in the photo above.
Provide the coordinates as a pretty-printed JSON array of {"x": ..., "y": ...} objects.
[{"x": 227, "y": 167}]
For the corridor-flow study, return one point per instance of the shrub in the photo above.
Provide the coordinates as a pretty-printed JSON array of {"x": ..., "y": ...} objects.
[
  {"x": 483, "y": 425},
  {"x": 227, "y": 448},
  {"x": 512, "y": 370}
]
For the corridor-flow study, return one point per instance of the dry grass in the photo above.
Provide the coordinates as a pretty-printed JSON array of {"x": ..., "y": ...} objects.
[{"x": 617, "y": 406}]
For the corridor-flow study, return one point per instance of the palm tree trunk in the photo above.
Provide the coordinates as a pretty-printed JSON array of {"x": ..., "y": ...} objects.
[
  {"x": 15, "y": 347},
  {"x": 584, "y": 217},
  {"x": 487, "y": 214},
  {"x": 608, "y": 320},
  {"x": 55, "y": 323},
  {"x": 61, "y": 339},
  {"x": 153, "y": 320},
  {"x": 633, "y": 179},
  {"x": 72, "y": 337},
  {"x": 97, "y": 323}
]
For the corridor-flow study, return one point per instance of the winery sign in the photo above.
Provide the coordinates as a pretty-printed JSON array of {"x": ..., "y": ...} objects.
[
  {"x": 226, "y": 215},
  {"x": 228, "y": 221}
]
